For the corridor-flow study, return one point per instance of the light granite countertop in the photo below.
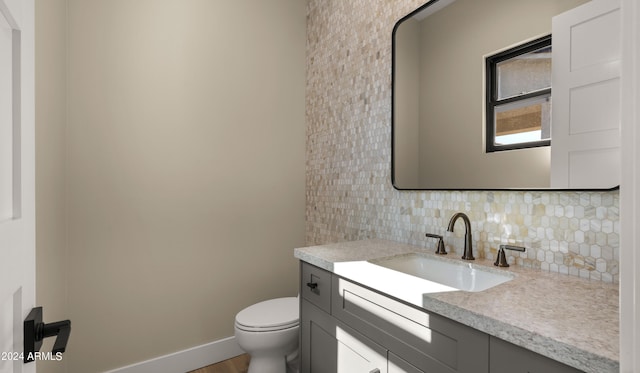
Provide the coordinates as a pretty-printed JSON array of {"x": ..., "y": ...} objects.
[{"x": 566, "y": 318}]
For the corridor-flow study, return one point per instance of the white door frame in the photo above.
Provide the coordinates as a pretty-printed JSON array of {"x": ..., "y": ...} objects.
[{"x": 630, "y": 191}]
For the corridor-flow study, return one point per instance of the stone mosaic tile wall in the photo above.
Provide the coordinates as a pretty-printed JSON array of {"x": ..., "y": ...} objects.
[{"x": 348, "y": 182}]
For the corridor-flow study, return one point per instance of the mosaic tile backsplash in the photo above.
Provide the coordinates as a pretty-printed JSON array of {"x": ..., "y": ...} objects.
[{"x": 348, "y": 180}]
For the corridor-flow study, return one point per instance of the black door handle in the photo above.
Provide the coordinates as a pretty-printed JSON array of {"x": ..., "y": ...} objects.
[{"x": 35, "y": 331}]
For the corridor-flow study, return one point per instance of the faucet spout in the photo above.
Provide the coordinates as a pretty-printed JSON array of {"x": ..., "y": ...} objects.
[{"x": 468, "y": 240}]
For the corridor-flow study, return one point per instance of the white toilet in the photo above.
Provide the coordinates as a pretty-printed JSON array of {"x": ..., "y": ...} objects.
[{"x": 268, "y": 331}]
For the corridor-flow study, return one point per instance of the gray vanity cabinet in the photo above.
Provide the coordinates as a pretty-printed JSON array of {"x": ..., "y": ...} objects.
[
  {"x": 397, "y": 365},
  {"x": 357, "y": 330},
  {"x": 509, "y": 358},
  {"x": 329, "y": 346},
  {"x": 348, "y": 328},
  {"x": 426, "y": 341}
]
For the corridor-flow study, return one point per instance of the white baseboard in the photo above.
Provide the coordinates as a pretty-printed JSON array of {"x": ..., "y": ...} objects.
[{"x": 187, "y": 360}]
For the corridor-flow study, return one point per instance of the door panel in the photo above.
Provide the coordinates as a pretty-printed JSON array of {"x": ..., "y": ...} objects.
[
  {"x": 6, "y": 119},
  {"x": 322, "y": 351},
  {"x": 585, "y": 139},
  {"x": 329, "y": 346},
  {"x": 17, "y": 179},
  {"x": 357, "y": 353}
]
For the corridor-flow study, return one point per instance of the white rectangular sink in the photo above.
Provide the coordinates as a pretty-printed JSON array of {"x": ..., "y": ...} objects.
[{"x": 458, "y": 275}]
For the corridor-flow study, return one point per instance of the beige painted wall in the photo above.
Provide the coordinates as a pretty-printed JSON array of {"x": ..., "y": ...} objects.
[
  {"x": 179, "y": 173},
  {"x": 51, "y": 117}
]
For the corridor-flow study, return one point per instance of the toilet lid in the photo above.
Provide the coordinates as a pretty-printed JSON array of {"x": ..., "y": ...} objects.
[{"x": 273, "y": 314}]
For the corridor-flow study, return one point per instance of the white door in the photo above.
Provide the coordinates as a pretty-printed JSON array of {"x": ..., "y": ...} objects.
[
  {"x": 17, "y": 169},
  {"x": 586, "y": 96}
]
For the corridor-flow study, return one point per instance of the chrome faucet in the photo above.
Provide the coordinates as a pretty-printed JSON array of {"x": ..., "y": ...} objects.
[{"x": 468, "y": 241}]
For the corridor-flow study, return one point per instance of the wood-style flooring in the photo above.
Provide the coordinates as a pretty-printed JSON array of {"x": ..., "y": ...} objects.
[{"x": 238, "y": 364}]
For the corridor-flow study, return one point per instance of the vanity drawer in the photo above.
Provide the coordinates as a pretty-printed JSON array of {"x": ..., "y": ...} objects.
[
  {"x": 315, "y": 286},
  {"x": 427, "y": 341}
]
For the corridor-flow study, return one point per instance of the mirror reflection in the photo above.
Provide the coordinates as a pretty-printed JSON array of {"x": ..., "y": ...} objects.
[
  {"x": 472, "y": 97},
  {"x": 518, "y": 97}
]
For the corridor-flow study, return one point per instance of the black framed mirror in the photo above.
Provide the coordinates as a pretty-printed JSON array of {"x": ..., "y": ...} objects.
[{"x": 439, "y": 104}]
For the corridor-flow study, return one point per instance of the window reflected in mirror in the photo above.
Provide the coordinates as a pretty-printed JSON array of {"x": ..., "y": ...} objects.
[
  {"x": 523, "y": 121},
  {"x": 518, "y": 97}
]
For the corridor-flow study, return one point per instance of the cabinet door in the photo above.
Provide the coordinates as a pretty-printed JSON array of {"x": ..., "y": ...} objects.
[
  {"x": 397, "y": 365},
  {"x": 328, "y": 346},
  {"x": 322, "y": 350},
  {"x": 359, "y": 354},
  {"x": 315, "y": 286},
  {"x": 509, "y": 358}
]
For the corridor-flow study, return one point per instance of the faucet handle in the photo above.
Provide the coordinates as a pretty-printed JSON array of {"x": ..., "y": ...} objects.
[
  {"x": 440, "y": 250},
  {"x": 501, "y": 260}
]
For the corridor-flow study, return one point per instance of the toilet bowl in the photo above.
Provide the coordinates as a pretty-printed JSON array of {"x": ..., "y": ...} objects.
[{"x": 268, "y": 332}]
